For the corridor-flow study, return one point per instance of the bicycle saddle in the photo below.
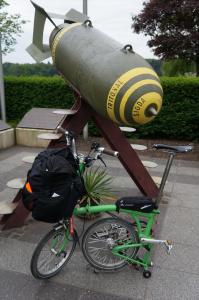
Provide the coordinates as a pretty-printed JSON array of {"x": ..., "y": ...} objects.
[
  {"x": 142, "y": 204},
  {"x": 177, "y": 149}
]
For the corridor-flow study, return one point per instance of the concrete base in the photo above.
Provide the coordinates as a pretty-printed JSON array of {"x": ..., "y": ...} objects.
[
  {"x": 7, "y": 138},
  {"x": 35, "y": 122},
  {"x": 29, "y": 137}
]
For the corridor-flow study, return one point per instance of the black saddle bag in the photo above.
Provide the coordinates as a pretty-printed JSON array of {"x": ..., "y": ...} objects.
[{"x": 142, "y": 204}]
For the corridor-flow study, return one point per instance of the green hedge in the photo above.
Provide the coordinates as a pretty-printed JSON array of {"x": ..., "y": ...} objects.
[
  {"x": 24, "y": 93},
  {"x": 178, "y": 119}
]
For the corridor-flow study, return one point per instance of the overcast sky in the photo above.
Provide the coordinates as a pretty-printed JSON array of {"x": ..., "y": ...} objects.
[{"x": 113, "y": 17}]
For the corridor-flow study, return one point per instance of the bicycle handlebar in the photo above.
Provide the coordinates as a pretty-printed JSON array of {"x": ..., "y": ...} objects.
[
  {"x": 68, "y": 133},
  {"x": 108, "y": 151},
  {"x": 94, "y": 145},
  {"x": 61, "y": 130}
]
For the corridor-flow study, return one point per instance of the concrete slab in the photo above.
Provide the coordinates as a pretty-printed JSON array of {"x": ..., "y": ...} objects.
[
  {"x": 35, "y": 122},
  {"x": 7, "y": 195},
  {"x": 47, "y": 290},
  {"x": 173, "y": 285},
  {"x": 128, "y": 129},
  {"x": 174, "y": 277},
  {"x": 10, "y": 163},
  {"x": 183, "y": 258},
  {"x": 11, "y": 284},
  {"x": 181, "y": 225},
  {"x": 49, "y": 136},
  {"x": 15, "y": 255},
  {"x": 157, "y": 180},
  {"x": 149, "y": 164},
  {"x": 40, "y": 118},
  {"x": 187, "y": 190},
  {"x": 16, "y": 183},
  {"x": 7, "y": 138},
  {"x": 138, "y": 147},
  {"x": 184, "y": 201},
  {"x": 124, "y": 283},
  {"x": 7, "y": 208},
  {"x": 17, "y": 286},
  {"x": 65, "y": 112},
  {"x": 29, "y": 137},
  {"x": 29, "y": 159}
]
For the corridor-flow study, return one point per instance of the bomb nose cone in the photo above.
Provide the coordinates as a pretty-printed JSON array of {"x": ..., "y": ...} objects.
[{"x": 151, "y": 111}]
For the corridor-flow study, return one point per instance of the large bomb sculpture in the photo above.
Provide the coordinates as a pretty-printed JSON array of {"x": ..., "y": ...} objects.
[
  {"x": 113, "y": 85},
  {"x": 116, "y": 82}
]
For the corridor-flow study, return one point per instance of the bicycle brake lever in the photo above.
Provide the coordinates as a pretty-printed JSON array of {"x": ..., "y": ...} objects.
[{"x": 100, "y": 158}]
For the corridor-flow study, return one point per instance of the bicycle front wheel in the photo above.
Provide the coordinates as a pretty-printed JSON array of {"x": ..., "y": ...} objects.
[
  {"x": 52, "y": 253},
  {"x": 102, "y": 236}
]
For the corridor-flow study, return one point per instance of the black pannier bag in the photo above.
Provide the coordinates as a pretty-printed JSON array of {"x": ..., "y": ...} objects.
[{"x": 53, "y": 186}]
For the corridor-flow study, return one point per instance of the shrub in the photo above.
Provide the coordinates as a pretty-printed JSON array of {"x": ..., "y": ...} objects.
[
  {"x": 24, "y": 93},
  {"x": 178, "y": 119}
]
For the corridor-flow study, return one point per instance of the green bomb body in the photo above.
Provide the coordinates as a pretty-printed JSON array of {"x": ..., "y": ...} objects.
[{"x": 117, "y": 83}]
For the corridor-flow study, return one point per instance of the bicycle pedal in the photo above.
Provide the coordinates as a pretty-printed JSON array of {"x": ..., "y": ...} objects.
[{"x": 169, "y": 246}]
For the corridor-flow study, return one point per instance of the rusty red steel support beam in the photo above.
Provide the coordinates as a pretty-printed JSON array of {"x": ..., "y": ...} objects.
[
  {"x": 127, "y": 155},
  {"x": 117, "y": 142},
  {"x": 19, "y": 215}
]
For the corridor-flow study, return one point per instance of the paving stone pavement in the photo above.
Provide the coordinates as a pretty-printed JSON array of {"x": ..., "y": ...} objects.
[{"x": 174, "y": 277}]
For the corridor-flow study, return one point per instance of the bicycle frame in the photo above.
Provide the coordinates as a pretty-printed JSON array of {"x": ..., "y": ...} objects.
[
  {"x": 65, "y": 241},
  {"x": 145, "y": 232},
  {"x": 142, "y": 232},
  {"x": 135, "y": 216}
]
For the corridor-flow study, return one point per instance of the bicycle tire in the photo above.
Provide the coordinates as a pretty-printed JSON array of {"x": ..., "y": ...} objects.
[
  {"x": 51, "y": 241},
  {"x": 98, "y": 237}
]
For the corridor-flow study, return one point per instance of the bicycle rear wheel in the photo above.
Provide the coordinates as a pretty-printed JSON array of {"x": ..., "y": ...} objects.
[
  {"x": 100, "y": 238},
  {"x": 52, "y": 253}
]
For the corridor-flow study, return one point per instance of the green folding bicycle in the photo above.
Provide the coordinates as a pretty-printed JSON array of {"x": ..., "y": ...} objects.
[{"x": 112, "y": 242}]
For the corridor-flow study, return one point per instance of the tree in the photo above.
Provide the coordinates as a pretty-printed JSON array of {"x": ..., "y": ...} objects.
[
  {"x": 178, "y": 67},
  {"x": 10, "y": 26},
  {"x": 38, "y": 69},
  {"x": 156, "y": 64},
  {"x": 173, "y": 27}
]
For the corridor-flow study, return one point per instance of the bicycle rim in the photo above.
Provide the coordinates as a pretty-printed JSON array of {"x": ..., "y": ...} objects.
[
  {"x": 52, "y": 253},
  {"x": 102, "y": 236}
]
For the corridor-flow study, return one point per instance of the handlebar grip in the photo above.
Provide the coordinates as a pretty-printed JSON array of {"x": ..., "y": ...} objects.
[
  {"x": 109, "y": 152},
  {"x": 61, "y": 130}
]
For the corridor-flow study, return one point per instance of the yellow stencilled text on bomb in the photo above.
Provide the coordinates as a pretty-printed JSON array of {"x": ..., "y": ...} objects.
[
  {"x": 113, "y": 93},
  {"x": 138, "y": 107},
  {"x": 119, "y": 84}
]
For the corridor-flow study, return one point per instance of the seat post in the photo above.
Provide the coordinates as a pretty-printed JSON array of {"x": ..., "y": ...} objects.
[{"x": 165, "y": 176}]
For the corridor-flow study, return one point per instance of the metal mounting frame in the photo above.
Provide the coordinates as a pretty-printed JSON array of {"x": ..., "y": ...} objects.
[{"x": 115, "y": 138}]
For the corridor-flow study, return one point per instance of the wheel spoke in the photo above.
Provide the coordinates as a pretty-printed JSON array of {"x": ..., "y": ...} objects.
[
  {"x": 51, "y": 254},
  {"x": 102, "y": 236}
]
